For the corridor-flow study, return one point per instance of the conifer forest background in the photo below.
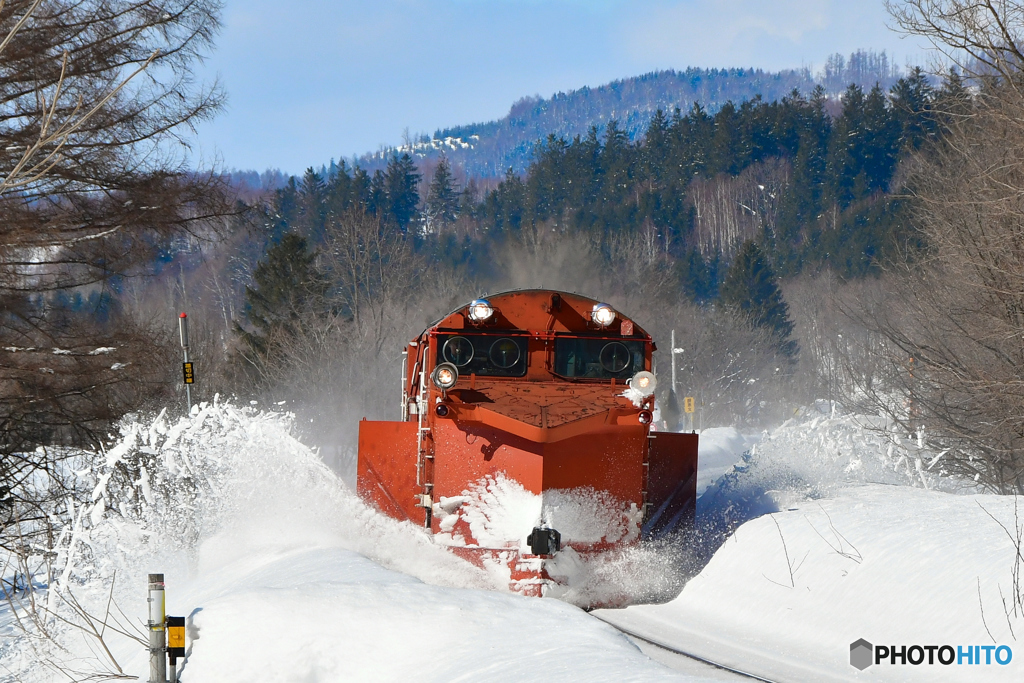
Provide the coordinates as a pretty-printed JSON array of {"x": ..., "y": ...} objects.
[{"x": 839, "y": 242}]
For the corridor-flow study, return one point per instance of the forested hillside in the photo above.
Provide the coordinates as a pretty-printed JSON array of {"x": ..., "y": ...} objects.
[
  {"x": 812, "y": 188},
  {"x": 489, "y": 149}
]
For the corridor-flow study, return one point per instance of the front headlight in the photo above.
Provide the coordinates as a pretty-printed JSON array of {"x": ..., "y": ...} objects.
[
  {"x": 643, "y": 382},
  {"x": 480, "y": 310},
  {"x": 445, "y": 376},
  {"x": 603, "y": 315}
]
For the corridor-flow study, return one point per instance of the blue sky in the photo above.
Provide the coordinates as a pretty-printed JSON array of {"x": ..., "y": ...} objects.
[{"x": 311, "y": 80}]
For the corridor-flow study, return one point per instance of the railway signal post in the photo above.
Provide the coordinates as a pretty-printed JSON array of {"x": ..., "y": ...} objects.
[{"x": 186, "y": 366}]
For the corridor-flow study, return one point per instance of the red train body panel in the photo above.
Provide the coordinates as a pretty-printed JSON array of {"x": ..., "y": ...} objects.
[{"x": 525, "y": 443}]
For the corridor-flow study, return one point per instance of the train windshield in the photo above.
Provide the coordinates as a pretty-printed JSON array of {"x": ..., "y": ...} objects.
[
  {"x": 598, "y": 358},
  {"x": 484, "y": 355}
]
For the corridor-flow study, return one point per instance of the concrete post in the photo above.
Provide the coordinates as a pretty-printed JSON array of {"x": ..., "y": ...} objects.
[{"x": 157, "y": 634}]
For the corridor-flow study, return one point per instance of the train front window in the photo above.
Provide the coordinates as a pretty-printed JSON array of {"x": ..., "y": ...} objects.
[
  {"x": 504, "y": 353},
  {"x": 484, "y": 355},
  {"x": 598, "y": 358}
]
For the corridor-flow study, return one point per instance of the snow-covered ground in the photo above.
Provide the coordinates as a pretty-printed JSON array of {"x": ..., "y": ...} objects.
[
  {"x": 330, "y": 614},
  {"x": 285, "y": 575},
  {"x": 811, "y": 537},
  {"x": 787, "y": 594},
  {"x": 827, "y": 533}
]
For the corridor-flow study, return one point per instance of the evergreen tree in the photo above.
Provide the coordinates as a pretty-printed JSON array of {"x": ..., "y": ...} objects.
[
  {"x": 442, "y": 198},
  {"x": 724, "y": 150},
  {"x": 361, "y": 187},
  {"x": 284, "y": 212},
  {"x": 341, "y": 191},
  {"x": 401, "y": 183},
  {"x": 288, "y": 286},
  {"x": 750, "y": 289},
  {"x": 846, "y": 149},
  {"x": 882, "y": 141},
  {"x": 469, "y": 198},
  {"x": 377, "y": 195},
  {"x": 505, "y": 206},
  {"x": 696, "y": 279},
  {"x": 655, "y": 146},
  {"x": 912, "y": 100},
  {"x": 312, "y": 205}
]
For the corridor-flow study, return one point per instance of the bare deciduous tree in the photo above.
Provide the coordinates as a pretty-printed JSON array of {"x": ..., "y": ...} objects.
[
  {"x": 982, "y": 37},
  {"x": 953, "y": 321},
  {"x": 728, "y": 210},
  {"x": 96, "y": 97}
]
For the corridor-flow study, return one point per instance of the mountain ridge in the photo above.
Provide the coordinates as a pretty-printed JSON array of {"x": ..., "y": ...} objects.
[{"x": 489, "y": 149}]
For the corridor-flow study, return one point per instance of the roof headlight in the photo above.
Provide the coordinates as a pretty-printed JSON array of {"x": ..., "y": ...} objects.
[
  {"x": 445, "y": 376},
  {"x": 480, "y": 310},
  {"x": 603, "y": 315},
  {"x": 644, "y": 383}
]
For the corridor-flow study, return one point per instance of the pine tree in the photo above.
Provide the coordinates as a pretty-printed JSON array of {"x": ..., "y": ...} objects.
[
  {"x": 287, "y": 286},
  {"x": 377, "y": 195},
  {"x": 695, "y": 278},
  {"x": 443, "y": 198},
  {"x": 401, "y": 183},
  {"x": 655, "y": 146},
  {"x": 312, "y": 205},
  {"x": 845, "y": 154},
  {"x": 750, "y": 289},
  {"x": 912, "y": 100},
  {"x": 469, "y": 198}
]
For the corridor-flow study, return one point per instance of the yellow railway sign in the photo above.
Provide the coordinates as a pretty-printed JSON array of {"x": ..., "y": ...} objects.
[
  {"x": 190, "y": 376},
  {"x": 688, "y": 404},
  {"x": 176, "y": 636}
]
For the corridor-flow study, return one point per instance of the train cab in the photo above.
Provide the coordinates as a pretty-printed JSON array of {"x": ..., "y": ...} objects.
[{"x": 525, "y": 441}]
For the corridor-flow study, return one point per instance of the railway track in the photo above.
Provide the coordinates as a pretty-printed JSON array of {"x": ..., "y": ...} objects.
[
  {"x": 640, "y": 640},
  {"x": 730, "y": 660}
]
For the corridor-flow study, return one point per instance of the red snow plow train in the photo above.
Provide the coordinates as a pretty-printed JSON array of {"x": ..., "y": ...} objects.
[{"x": 525, "y": 443}]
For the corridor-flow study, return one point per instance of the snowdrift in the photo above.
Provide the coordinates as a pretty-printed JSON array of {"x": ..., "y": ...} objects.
[
  {"x": 282, "y": 572},
  {"x": 817, "y": 534},
  {"x": 832, "y": 531}
]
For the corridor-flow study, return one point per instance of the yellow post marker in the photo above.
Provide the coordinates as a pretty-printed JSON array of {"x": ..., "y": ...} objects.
[
  {"x": 189, "y": 373},
  {"x": 175, "y": 643},
  {"x": 176, "y": 636},
  {"x": 688, "y": 404}
]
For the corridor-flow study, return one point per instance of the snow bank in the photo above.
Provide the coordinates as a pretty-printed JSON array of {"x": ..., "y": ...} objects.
[
  {"x": 328, "y": 614},
  {"x": 844, "y": 534},
  {"x": 284, "y": 573},
  {"x": 788, "y": 593}
]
